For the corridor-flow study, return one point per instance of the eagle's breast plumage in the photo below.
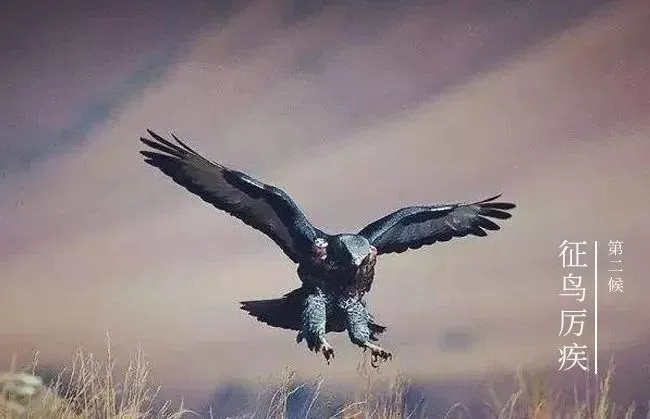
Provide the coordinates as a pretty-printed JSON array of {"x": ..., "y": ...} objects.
[{"x": 335, "y": 281}]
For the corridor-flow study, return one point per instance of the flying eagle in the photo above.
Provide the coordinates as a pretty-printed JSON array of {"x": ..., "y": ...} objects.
[{"x": 336, "y": 270}]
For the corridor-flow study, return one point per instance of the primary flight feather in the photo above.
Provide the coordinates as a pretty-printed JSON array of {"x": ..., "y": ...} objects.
[{"x": 336, "y": 271}]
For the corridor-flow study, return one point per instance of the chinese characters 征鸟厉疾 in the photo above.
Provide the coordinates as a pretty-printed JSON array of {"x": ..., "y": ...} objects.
[{"x": 573, "y": 258}]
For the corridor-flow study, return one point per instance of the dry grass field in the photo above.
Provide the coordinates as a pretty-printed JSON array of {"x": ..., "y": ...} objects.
[{"x": 92, "y": 388}]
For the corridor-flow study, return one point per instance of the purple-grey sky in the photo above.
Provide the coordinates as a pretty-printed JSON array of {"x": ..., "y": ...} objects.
[{"x": 428, "y": 102}]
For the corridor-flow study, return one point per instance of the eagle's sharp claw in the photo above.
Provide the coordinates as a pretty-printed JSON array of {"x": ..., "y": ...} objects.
[
  {"x": 328, "y": 352},
  {"x": 378, "y": 354}
]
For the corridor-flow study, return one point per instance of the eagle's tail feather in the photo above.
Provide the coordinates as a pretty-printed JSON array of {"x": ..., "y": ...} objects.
[{"x": 283, "y": 312}]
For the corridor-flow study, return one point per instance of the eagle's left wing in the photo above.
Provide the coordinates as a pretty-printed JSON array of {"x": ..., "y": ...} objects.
[
  {"x": 263, "y": 207},
  {"x": 414, "y": 227}
]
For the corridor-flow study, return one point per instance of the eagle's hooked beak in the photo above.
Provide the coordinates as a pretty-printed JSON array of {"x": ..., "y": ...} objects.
[{"x": 358, "y": 260}]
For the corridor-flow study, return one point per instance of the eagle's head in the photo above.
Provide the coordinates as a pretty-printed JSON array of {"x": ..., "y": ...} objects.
[{"x": 349, "y": 250}]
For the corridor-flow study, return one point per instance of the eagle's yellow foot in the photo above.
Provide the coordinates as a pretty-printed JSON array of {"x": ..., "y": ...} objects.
[
  {"x": 327, "y": 350},
  {"x": 378, "y": 354}
]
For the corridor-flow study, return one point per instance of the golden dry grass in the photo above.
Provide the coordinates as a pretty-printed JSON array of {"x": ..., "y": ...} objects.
[{"x": 93, "y": 390}]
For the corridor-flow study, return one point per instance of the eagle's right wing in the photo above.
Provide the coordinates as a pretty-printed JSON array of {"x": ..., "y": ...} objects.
[
  {"x": 261, "y": 206},
  {"x": 414, "y": 227}
]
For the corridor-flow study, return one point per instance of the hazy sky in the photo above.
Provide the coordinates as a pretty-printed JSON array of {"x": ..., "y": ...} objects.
[{"x": 355, "y": 111}]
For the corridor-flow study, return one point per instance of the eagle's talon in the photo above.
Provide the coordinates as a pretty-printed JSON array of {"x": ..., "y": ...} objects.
[
  {"x": 374, "y": 361},
  {"x": 328, "y": 352},
  {"x": 378, "y": 356}
]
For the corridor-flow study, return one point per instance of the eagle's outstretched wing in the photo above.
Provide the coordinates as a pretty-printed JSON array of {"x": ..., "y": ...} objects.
[
  {"x": 414, "y": 227},
  {"x": 261, "y": 206}
]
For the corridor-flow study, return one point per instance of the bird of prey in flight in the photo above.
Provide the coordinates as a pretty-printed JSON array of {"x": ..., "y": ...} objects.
[{"x": 336, "y": 270}]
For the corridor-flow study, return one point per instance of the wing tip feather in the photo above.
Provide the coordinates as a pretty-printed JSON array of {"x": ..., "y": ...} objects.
[
  {"x": 153, "y": 134},
  {"x": 490, "y": 202},
  {"x": 182, "y": 144},
  {"x": 163, "y": 145}
]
